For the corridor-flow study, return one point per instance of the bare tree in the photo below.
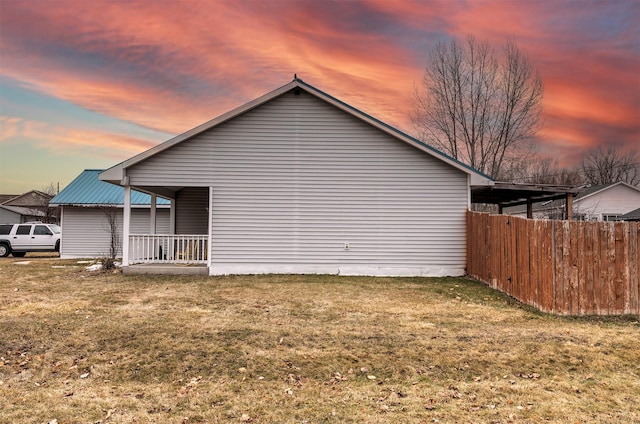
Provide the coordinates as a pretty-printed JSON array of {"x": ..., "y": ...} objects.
[
  {"x": 610, "y": 165},
  {"x": 38, "y": 204},
  {"x": 51, "y": 214},
  {"x": 536, "y": 170},
  {"x": 111, "y": 226},
  {"x": 476, "y": 107}
]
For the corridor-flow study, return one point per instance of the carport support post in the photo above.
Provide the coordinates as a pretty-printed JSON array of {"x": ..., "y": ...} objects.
[
  {"x": 126, "y": 220},
  {"x": 529, "y": 209},
  {"x": 569, "y": 206}
]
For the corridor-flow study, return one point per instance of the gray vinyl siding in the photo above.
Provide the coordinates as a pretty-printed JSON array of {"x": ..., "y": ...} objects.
[
  {"x": 192, "y": 214},
  {"x": 85, "y": 231},
  {"x": 296, "y": 178},
  {"x": 9, "y": 217}
]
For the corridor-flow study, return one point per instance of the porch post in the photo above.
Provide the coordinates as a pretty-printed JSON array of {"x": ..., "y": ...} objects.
[
  {"x": 172, "y": 216},
  {"x": 152, "y": 218},
  {"x": 209, "y": 227},
  {"x": 126, "y": 220}
]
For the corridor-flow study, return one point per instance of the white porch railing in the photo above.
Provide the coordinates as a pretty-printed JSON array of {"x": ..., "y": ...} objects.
[{"x": 167, "y": 249}]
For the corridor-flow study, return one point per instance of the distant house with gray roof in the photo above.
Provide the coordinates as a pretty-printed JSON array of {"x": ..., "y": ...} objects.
[
  {"x": 18, "y": 215},
  {"x": 607, "y": 202},
  {"x": 6, "y": 197},
  {"x": 30, "y": 206}
]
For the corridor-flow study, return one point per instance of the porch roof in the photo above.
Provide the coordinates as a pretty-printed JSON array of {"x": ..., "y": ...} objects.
[{"x": 88, "y": 190}]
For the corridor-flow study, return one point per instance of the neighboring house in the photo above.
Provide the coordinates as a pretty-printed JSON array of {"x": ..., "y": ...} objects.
[
  {"x": 297, "y": 181},
  {"x": 87, "y": 205},
  {"x": 9, "y": 216},
  {"x": 6, "y": 197},
  {"x": 19, "y": 215},
  {"x": 32, "y": 205},
  {"x": 634, "y": 215},
  {"x": 607, "y": 202}
]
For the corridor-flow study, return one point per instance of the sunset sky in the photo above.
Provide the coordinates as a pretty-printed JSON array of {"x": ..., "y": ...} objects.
[{"x": 87, "y": 84}]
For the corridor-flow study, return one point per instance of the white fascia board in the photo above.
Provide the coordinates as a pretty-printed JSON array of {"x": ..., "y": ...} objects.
[{"x": 112, "y": 175}]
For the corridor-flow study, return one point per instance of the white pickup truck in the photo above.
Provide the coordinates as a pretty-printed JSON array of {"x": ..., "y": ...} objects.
[{"x": 18, "y": 239}]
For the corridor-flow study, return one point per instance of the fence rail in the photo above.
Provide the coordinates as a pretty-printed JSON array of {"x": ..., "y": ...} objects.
[
  {"x": 168, "y": 248},
  {"x": 562, "y": 267}
]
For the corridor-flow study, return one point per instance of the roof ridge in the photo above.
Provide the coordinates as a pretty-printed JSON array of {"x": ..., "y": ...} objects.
[{"x": 116, "y": 172}]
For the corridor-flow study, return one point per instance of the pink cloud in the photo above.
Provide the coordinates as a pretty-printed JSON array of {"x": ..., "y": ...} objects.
[
  {"x": 246, "y": 48},
  {"x": 60, "y": 140},
  {"x": 9, "y": 127},
  {"x": 173, "y": 65}
]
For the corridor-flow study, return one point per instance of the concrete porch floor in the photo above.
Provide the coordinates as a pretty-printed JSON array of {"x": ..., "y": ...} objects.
[{"x": 167, "y": 269}]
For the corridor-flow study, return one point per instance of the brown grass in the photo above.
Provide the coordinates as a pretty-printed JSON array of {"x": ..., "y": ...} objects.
[{"x": 83, "y": 347}]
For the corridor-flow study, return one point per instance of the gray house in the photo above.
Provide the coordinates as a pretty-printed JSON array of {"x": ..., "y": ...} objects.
[
  {"x": 30, "y": 206},
  {"x": 298, "y": 181},
  {"x": 91, "y": 210},
  {"x": 18, "y": 215}
]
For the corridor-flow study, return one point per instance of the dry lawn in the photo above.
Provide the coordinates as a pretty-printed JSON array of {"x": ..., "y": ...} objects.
[{"x": 80, "y": 347}]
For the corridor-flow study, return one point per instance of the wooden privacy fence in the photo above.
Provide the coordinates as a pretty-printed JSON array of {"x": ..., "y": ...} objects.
[{"x": 561, "y": 267}]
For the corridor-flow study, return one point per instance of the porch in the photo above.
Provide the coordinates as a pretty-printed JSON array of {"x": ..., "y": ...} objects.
[
  {"x": 184, "y": 249},
  {"x": 171, "y": 254}
]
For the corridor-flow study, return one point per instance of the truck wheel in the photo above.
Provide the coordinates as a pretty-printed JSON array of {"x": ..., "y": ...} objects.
[
  {"x": 58, "y": 246},
  {"x": 4, "y": 250}
]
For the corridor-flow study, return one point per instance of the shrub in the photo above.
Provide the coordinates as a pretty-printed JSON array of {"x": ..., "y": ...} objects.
[{"x": 108, "y": 263}]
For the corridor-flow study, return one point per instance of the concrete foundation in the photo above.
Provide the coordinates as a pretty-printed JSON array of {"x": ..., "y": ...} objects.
[{"x": 166, "y": 269}]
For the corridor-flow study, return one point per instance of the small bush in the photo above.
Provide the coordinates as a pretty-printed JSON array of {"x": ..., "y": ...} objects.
[{"x": 108, "y": 263}]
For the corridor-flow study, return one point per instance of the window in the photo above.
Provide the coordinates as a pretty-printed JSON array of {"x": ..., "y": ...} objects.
[
  {"x": 41, "y": 230},
  {"x": 5, "y": 229},
  {"x": 23, "y": 230}
]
